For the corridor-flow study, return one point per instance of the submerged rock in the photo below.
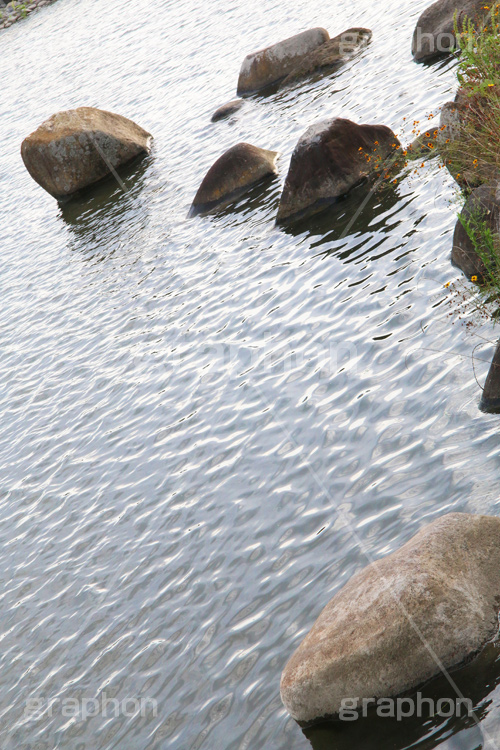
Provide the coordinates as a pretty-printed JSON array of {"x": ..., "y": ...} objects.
[
  {"x": 231, "y": 175},
  {"x": 331, "y": 55},
  {"x": 434, "y": 33},
  {"x": 329, "y": 159},
  {"x": 490, "y": 400},
  {"x": 272, "y": 64},
  {"x": 227, "y": 109},
  {"x": 78, "y": 147},
  {"x": 481, "y": 210},
  {"x": 434, "y": 601}
]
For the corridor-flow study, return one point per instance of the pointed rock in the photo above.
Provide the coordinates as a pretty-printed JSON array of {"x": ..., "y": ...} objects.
[
  {"x": 329, "y": 159},
  {"x": 233, "y": 174}
]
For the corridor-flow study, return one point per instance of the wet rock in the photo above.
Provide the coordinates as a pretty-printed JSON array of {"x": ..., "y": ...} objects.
[
  {"x": 490, "y": 400},
  {"x": 231, "y": 175},
  {"x": 227, "y": 109},
  {"x": 331, "y": 55},
  {"x": 78, "y": 147},
  {"x": 272, "y": 64},
  {"x": 435, "y": 600},
  {"x": 434, "y": 33},
  {"x": 481, "y": 209},
  {"x": 329, "y": 159}
]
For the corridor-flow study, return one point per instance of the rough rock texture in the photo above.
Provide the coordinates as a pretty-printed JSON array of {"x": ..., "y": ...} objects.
[
  {"x": 490, "y": 401},
  {"x": 331, "y": 55},
  {"x": 329, "y": 159},
  {"x": 232, "y": 174},
  {"x": 483, "y": 205},
  {"x": 227, "y": 109},
  {"x": 434, "y": 33},
  {"x": 437, "y": 596},
  {"x": 267, "y": 66},
  {"x": 76, "y": 148}
]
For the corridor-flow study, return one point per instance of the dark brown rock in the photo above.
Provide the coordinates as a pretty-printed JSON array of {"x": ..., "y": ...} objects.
[
  {"x": 482, "y": 208},
  {"x": 490, "y": 401},
  {"x": 270, "y": 65},
  {"x": 77, "y": 148},
  {"x": 433, "y": 603},
  {"x": 231, "y": 175},
  {"x": 434, "y": 33},
  {"x": 331, "y": 55},
  {"x": 329, "y": 159},
  {"x": 227, "y": 109}
]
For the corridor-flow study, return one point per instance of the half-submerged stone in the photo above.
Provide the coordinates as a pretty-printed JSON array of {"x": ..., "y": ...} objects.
[
  {"x": 481, "y": 211},
  {"x": 329, "y": 159},
  {"x": 490, "y": 400},
  {"x": 227, "y": 109},
  {"x": 78, "y": 147},
  {"x": 232, "y": 175},
  {"x": 434, "y": 33},
  {"x": 431, "y": 604},
  {"x": 331, "y": 55},
  {"x": 270, "y": 65}
]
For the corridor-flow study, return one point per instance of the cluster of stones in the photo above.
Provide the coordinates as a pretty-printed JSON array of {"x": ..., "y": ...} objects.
[
  {"x": 15, "y": 10},
  {"x": 434, "y": 603}
]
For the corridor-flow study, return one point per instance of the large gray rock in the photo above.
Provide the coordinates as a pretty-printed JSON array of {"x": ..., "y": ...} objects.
[
  {"x": 78, "y": 147},
  {"x": 490, "y": 400},
  {"x": 331, "y": 55},
  {"x": 231, "y": 175},
  {"x": 433, "y": 602},
  {"x": 329, "y": 159},
  {"x": 434, "y": 33},
  {"x": 272, "y": 64},
  {"x": 481, "y": 210}
]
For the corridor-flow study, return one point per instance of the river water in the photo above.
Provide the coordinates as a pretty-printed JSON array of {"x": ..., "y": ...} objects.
[{"x": 209, "y": 425}]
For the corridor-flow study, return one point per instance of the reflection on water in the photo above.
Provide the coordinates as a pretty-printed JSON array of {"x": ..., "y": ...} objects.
[{"x": 474, "y": 681}]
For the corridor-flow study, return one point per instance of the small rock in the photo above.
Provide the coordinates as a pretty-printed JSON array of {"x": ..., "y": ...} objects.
[
  {"x": 232, "y": 175},
  {"x": 329, "y": 159},
  {"x": 490, "y": 400},
  {"x": 267, "y": 66},
  {"x": 433, "y": 602},
  {"x": 78, "y": 147},
  {"x": 482, "y": 207},
  {"x": 227, "y": 109},
  {"x": 434, "y": 33},
  {"x": 331, "y": 55}
]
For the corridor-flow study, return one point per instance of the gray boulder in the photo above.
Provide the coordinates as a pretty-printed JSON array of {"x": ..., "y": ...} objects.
[
  {"x": 433, "y": 603},
  {"x": 270, "y": 65},
  {"x": 232, "y": 175},
  {"x": 434, "y": 33},
  {"x": 490, "y": 400},
  {"x": 331, "y": 55},
  {"x": 482, "y": 209},
  {"x": 78, "y": 147},
  {"x": 329, "y": 159}
]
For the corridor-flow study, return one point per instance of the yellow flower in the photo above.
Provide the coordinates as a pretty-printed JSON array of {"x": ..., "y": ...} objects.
[
  {"x": 473, "y": 278},
  {"x": 448, "y": 284}
]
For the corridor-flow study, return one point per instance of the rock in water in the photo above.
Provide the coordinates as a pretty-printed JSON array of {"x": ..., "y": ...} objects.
[
  {"x": 434, "y": 33},
  {"x": 76, "y": 148},
  {"x": 331, "y": 55},
  {"x": 330, "y": 158},
  {"x": 490, "y": 401},
  {"x": 231, "y": 175},
  {"x": 435, "y": 600},
  {"x": 227, "y": 109},
  {"x": 481, "y": 210},
  {"x": 270, "y": 65}
]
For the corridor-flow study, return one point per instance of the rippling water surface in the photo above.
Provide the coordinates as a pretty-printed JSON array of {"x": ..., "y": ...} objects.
[{"x": 208, "y": 423}]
